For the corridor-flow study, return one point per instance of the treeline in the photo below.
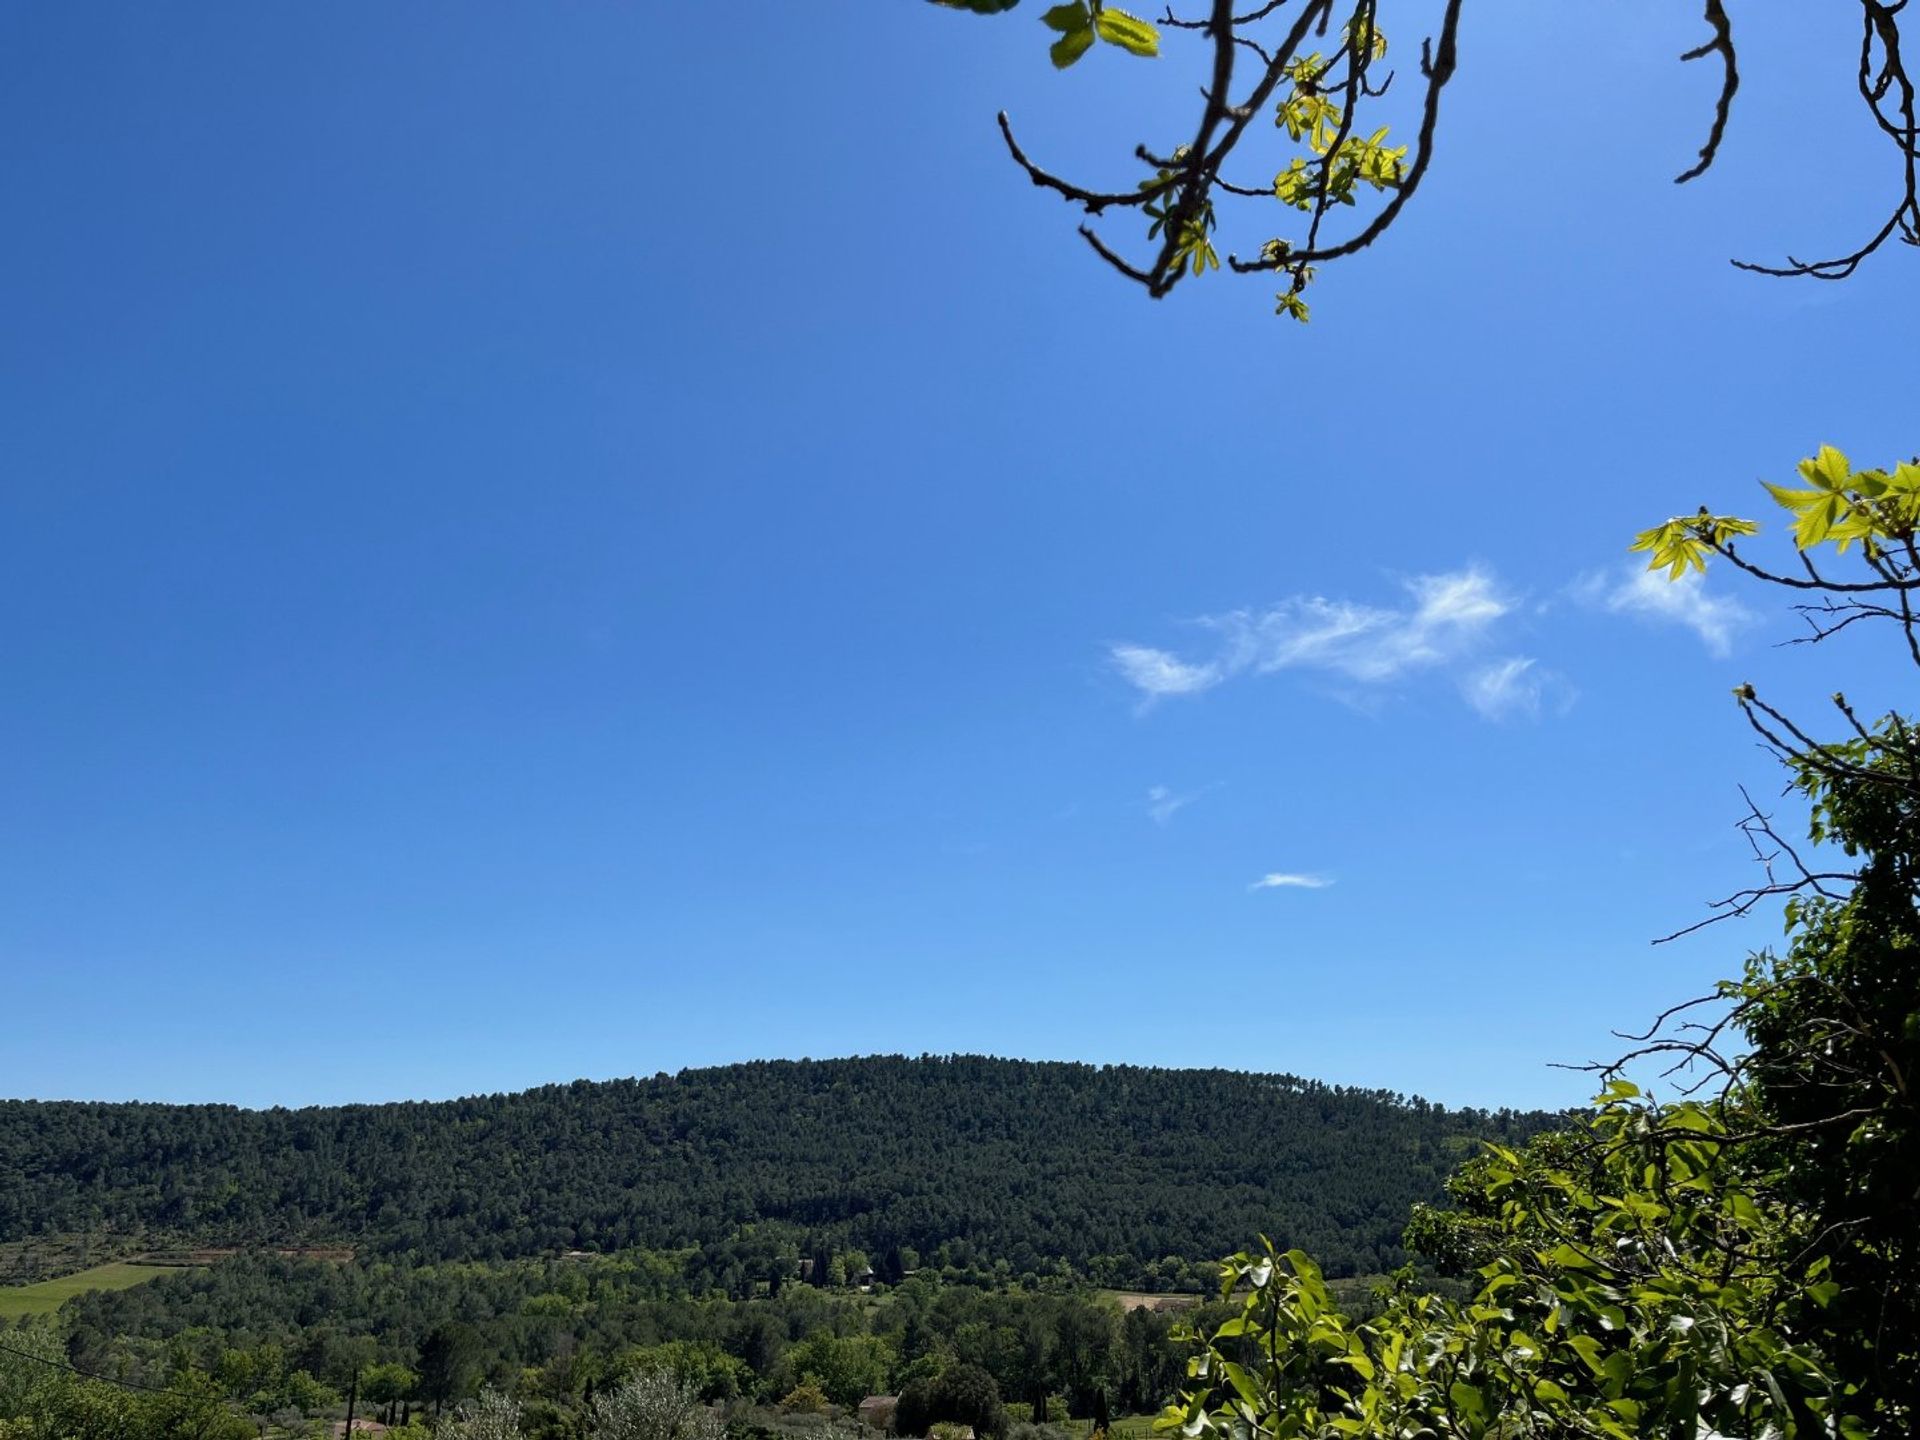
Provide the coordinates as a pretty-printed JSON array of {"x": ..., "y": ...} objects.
[
  {"x": 958, "y": 1160},
  {"x": 279, "y": 1336}
]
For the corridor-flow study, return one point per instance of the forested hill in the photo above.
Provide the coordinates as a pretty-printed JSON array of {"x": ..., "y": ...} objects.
[{"x": 1020, "y": 1161}]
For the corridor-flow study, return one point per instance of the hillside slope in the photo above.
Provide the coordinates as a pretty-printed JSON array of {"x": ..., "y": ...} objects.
[{"x": 1015, "y": 1160}]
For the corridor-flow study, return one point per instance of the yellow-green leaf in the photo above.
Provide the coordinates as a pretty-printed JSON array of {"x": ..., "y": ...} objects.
[
  {"x": 1067, "y": 18},
  {"x": 1129, "y": 32},
  {"x": 1070, "y": 47}
]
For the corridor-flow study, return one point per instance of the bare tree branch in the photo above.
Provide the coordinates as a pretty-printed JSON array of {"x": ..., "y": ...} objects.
[{"x": 1720, "y": 44}]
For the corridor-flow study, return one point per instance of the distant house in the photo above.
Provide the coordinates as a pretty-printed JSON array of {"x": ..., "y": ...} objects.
[
  {"x": 863, "y": 1277},
  {"x": 877, "y": 1410}
]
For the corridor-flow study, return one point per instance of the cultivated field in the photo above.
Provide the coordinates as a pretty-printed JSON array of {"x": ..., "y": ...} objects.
[
  {"x": 49, "y": 1295},
  {"x": 1142, "y": 1300}
]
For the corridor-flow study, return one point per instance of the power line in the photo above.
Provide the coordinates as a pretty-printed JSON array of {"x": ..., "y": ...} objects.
[
  {"x": 213, "y": 1404},
  {"x": 94, "y": 1374}
]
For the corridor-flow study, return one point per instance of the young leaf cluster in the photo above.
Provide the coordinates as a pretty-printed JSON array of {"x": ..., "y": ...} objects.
[
  {"x": 1836, "y": 504},
  {"x": 1192, "y": 242},
  {"x": 1844, "y": 505},
  {"x": 1341, "y": 160},
  {"x": 1081, "y": 22}
]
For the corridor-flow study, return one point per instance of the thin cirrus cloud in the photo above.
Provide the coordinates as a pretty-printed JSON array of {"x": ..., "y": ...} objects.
[
  {"x": 1652, "y": 597},
  {"x": 1282, "y": 880},
  {"x": 1445, "y": 622},
  {"x": 1507, "y": 689},
  {"x": 1163, "y": 803},
  {"x": 1157, "y": 673}
]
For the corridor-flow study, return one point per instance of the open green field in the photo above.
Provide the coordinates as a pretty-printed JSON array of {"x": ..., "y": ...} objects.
[
  {"x": 49, "y": 1295},
  {"x": 1124, "y": 1427}
]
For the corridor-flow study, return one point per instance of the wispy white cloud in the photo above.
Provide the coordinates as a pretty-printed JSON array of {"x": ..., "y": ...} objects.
[
  {"x": 1157, "y": 673},
  {"x": 1281, "y": 880},
  {"x": 1444, "y": 621},
  {"x": 1648, "y": 595},
  {"x": 1506, "y": 689},
  {"x": 1163, "y": 803}
]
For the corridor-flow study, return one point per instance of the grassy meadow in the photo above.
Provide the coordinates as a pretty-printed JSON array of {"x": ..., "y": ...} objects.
[{"x": 49, "y": 1295}]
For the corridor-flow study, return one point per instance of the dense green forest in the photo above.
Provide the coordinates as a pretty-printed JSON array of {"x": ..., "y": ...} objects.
[
  {"x": 1108, "y": 1171},
  {"x": 552, "y": 1327},
  {"x": 282, "y": 1341},
  {"x": 782, "y": 1236}
]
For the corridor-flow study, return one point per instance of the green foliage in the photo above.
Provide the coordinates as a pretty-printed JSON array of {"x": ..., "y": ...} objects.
[
  {"x": 1834, "y": 1022},
  {"x": 1336, "y": 161},
  {"x": 1292, "y": 304},
  {"x": 1684, "y": 542},
  {"x": 41, "y": 1398},
  {"x": 1834, "y": 1026},
  {"x": 1080, "y": 22},
  {"x": 651, "y": 1405},
  {"x": 847, "y": 1368},
  {"x": 387, "y": 1382},
  {"x": 806, "y": 1398},
  {"x": 251, "y": 1322},
  {"x": 1841, "y": 506},
  {"x": 748, "y": 1168},
  {"x": 701, "y": 1366},
  {"x": 492, "y": 1416},
  {"x": 308, "y": 1395},
  {"x": 1165, "y": 208},
  {"x": 450, "y": 1362},
  {"x": 1845, "y": 505},
  {"x": 1341, "y": 160},
  {"x": 959, "y": 1395},
  {"x": 1632, "y": 1284}
]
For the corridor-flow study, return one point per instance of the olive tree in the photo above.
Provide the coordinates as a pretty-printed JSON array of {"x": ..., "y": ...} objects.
[
  {"x": 651, "y": 1404},
  {"x": 492, "y": 1416}
]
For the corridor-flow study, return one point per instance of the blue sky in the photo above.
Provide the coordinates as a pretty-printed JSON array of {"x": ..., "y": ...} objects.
[{"x": 541, "y": 541}]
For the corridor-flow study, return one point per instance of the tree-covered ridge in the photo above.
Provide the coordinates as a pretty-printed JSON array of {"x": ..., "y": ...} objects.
[{"x": 1105, "y": 1168}]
